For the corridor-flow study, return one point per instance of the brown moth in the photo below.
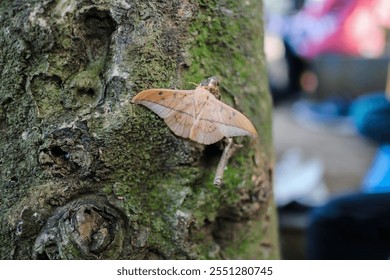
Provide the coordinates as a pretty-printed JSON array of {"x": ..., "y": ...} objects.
[{"x": 197, "y": 114}]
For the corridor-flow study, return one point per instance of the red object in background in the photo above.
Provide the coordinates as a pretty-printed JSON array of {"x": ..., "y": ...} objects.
[{"x": 351, "y": 27}]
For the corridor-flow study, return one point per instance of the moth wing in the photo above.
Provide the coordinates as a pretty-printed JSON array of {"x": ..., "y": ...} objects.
[
  {"x": 218, "y": 120},
  {"x": 232, "y": 122},
  {"x": 180, "y": 123},
  {"x": 165, "y": 101},
  {"x": 176, "y": 107},
  {"x": 205, "y": 130}
]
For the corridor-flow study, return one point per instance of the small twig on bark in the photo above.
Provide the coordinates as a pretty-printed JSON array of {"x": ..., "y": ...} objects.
[{"x": 229, "y": 150}]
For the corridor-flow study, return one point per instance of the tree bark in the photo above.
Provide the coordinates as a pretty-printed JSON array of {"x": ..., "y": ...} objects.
[{"x": 85, "y": 174}]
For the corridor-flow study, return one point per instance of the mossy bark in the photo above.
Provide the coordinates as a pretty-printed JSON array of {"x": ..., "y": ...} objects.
[{"x": 85, "y": 174}]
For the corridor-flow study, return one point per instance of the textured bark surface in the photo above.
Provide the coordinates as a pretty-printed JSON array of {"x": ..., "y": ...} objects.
[{"x": 87, "y": 175}]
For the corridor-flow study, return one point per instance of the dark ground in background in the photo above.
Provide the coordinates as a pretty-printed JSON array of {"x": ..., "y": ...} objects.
[{"x": 346, "y": 159}]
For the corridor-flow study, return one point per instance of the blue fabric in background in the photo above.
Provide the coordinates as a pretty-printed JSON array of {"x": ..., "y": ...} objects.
[
  {"x": 371, "y": 114},
  {"x": 377, "y": 178}
]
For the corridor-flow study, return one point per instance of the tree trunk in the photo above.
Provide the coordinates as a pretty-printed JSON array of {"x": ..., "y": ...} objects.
[{"x": 85, "y": 174}]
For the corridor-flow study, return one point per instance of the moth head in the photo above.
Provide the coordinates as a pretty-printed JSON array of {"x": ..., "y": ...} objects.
[{"x": 212, "y": 85}]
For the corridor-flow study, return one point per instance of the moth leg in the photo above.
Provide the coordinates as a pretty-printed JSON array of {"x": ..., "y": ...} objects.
[{"x": 228, "y": 151}]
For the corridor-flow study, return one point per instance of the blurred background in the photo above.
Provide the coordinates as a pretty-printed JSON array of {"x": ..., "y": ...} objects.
[{"x": 328, "y": 64}]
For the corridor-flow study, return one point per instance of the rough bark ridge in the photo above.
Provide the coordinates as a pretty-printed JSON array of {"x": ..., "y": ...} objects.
[{"x": 87, "y": 175}]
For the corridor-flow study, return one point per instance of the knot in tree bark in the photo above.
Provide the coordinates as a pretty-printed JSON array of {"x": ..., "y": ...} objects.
[{"x": 86, "y": 228}]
